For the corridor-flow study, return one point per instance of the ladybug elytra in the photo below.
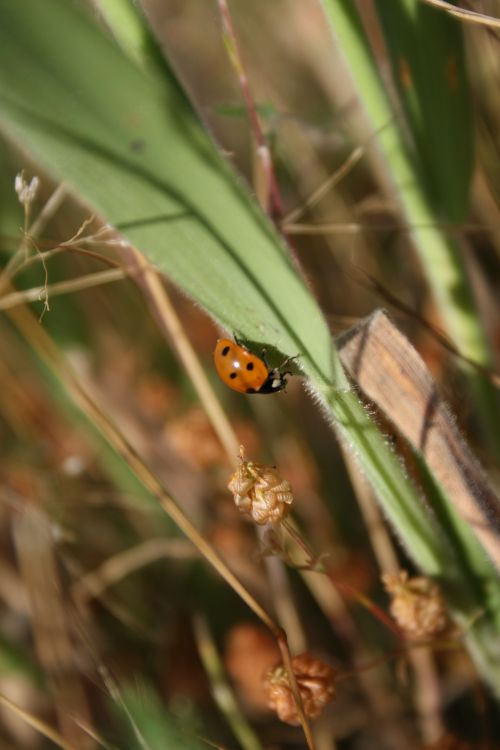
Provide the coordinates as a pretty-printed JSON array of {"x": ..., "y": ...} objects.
[{"x": 245, "y": 372}]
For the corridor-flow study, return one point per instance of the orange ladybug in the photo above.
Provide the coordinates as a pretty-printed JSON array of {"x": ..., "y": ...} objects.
[{"x": 245, "y": 372}]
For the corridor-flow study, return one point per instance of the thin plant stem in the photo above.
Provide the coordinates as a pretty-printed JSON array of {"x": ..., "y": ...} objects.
[
  {"x": 47, "y": 212},
  {"x": 50, "y": 208},
  {"x": 263, "y": 152},
  {"x": 124, "y": 563},
  {"x": 343, "y": 587},
  {"x": 356, "y": 227},
  {"x": 426, "y": 692},
  {"x": 42, "y": 293},
  {"x": 334, "y": 179},
  {"x": 37, "y": 724},
  {"x": 173, "y": 330},
  {"x": 44, "y": 347},
  {"x": 469, "y": 16}
]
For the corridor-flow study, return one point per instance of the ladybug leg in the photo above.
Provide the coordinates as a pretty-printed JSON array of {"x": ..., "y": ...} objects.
[
  {"x": 285, "y": 362},
  {"x": 262, "y": 355}
]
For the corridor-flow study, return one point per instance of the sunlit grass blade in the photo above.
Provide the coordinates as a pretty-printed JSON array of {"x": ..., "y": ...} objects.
[
  {"x": 133, "y": 149},
  {"x": 427, "y": 53},
  {"x": 439, "y": 253}
]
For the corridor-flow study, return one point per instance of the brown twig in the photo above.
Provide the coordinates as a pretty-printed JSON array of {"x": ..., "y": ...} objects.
[{"x": 470, "y": 16}]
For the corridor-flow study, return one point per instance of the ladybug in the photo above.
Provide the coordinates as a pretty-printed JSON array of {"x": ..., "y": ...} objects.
[{"x": 244, "y": 372}]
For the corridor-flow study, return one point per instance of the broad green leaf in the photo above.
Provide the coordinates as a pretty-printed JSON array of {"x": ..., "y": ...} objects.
[
  {"x": 131, "y": 147},
  {"x": 180, "y": 204}
]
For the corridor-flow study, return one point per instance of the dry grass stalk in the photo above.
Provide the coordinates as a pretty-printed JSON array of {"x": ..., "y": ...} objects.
[
  {"x": 51, "y": 629},
  {"x": 426, "y": 692}
]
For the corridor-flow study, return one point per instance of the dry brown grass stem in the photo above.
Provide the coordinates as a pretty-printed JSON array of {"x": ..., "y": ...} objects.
[
  {"x": 49, "y": 614},
  {"x": 117, "y": 567},
  {"x": 43, "y": 345},
  {"x": 50, "y": 355},
  {"x": 50, "y": 208},
  {"x": 168, "y": 321},
  {"x": 380, "y": 539},
  {"x": 42, "y": 293},
  {"x": 40, "y": 726},
  {"x": 17, "y": 260},
  {"x": 284, "y": 604},
  {"x": 426, "y": 694},
  {"x": 375, "y": 682},
  {"x": 262, "y": 147},
  {"x": 149, "y": 281},
  {"x": 469, "y": 16},
  {"x": 356, "y": 228},
  {"x": 334, "y": 179}
]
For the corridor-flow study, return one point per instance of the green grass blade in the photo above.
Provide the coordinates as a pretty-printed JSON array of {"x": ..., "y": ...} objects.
[
  {"x": 157, "y": 175},
  {"x": 428, "y": 62},
  {"x": 152, "y": 727},
  {"x": 439, "y": 253}
]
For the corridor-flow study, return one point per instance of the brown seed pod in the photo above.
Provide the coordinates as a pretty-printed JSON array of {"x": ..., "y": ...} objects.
[
  {"x": 417, "y": 604},
  {"x": 260, "y": 492},
  {"x": 315, "y": 681}
]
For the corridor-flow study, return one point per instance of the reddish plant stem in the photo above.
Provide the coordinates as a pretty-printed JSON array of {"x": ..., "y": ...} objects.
[
  {"x": 344, "y": 588},
  {"x": 255, "y": 124}
]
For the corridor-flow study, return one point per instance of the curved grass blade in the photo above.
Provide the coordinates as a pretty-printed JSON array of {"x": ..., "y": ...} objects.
[
  {"x": 427, "y": 54},
  {"x": 440, "y": 254}
]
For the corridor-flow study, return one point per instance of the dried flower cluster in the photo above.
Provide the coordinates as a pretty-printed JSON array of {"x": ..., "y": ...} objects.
[
  {"x": 417, "y": 604},
  {"x": 315, "y": 681},
  {"x": 260, "y": 492}
]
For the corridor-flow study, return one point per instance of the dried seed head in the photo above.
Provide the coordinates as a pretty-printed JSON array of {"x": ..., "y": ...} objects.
[
  {"x": 260, "y": 492},
  {"x": 315, "y": 681},
  {"x": 26, "y": 192},
  {"x": 417, "y": 604}
]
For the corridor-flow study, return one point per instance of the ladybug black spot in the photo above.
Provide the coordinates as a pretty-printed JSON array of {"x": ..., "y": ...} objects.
[
  {"x": 232, "y": 375},
  {"x": 250, "y": 366},
  {"x": 225, "y": 351}
]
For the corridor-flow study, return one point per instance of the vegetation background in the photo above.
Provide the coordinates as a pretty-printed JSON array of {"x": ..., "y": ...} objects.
[{"x": 277, "y": 170}]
